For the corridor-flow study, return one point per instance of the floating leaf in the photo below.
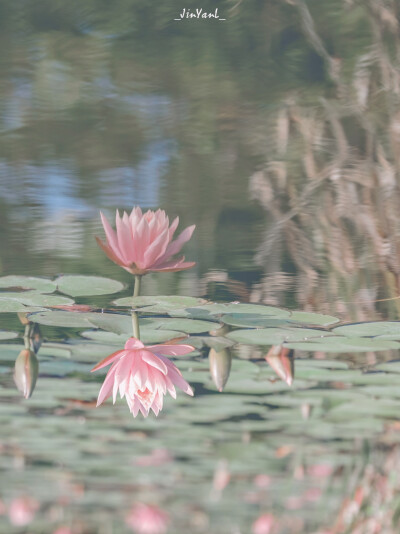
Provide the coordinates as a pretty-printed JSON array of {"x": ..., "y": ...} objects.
[
  {"x": 42, "y": 285},
  {"x": 147, "y": 335},
  {"x": 7, "y": 335},
  {"x": 317, "y": 319},
  {"x": 113, "y": 322},
  {"x": 252, "y": 320},
  {"x": 158, "y": 304},
  {"x": 239, "y": 308},
  {"x": 34, "y": 298},
  {"x": 275, "y": 336},
  {"x": 11, "y": 306},
  {"x": 80, "y": 286},
  {"x": 216, "y": 342},
  {"x": 190, "y": 326},
  {"x": 62, "y": 318},
  {"x": 370, "y": 329},
  {"x": 343, "y": 344}
]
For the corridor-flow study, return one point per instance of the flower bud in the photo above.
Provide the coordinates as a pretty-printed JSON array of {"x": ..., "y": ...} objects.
[
  {"x": 23, "y": 317},
  {"x": 282, "y": 362},
  {"x": 25, "y": 372},
  {"x": 220, "y": 366}
]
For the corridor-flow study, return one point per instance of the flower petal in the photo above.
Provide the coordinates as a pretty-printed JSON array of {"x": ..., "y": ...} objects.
[
  {"x": 133, "y": 343},
  {"x": 175, "y": 246},
  {"x": 170, "y": 350},
  {"x": 125, "y": 241},
  {"x": 106, "y": 388},
  {"x": 153, "y": 360},
  {"x": 111, "y": 236},
  {"x": 110, "y": 253},
  {"x": 107, "y": 360},
  {"x": 173, "y": 266},
  {"x": 176, "y": 377},
  {"x": 156, "y": 249}
]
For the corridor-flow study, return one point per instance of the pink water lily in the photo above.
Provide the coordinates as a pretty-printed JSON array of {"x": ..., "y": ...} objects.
[
  {"x": 143, "y": 242},
  {"x": 147, "y": 519},
  {"x": 22, "y": 511},
  {"x": 143, "y": 375}
]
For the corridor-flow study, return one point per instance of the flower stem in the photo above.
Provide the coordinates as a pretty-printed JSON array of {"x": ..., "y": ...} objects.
[
  {"x": 135, "y": 316},
  {"x": 138, "y": 282},
  {"x": 27, "y": 336}
]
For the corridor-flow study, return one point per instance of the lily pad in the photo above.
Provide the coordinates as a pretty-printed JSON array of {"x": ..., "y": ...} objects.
[
  {"x": 112, "y": 322},
  {"x": 317, "y": 319},
  {"x": 343, "y": 344},
  {"x": 159, "y": 304},
  {"x": 42, "y": 285},
  {"x": 252, "y": 320},
  {"x": 11, "y": 306},
  {"x": 62, "y": 318},
  {"x": 7, "y": 335},
  {"x": 214, "y": 342},
  {"x": 34, "y": 298},
  {"x": 189, "y": 326},
  {"x": 275, "y": 336},
  {"x": 370, "y": 329},
  {"x": 80, "y": 286},
  {"x": 147, "y": 336},
  {"x": 239, "y": 308}
]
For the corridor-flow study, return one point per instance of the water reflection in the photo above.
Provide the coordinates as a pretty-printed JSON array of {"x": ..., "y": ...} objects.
[{"x": 114, "y": 106}]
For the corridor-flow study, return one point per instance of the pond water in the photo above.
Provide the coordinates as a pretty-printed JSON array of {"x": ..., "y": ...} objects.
[{"x": 275, "y": 132}]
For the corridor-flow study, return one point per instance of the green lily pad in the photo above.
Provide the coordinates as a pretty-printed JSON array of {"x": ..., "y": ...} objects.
[
  {"x": 252, "y": 320},
  {"x": 147, "y": 336},
  {"x": 370, "y": 329},
  {"x": 80, "y": 286},
  {"x": 189, "y": 326},
  {"x": 275, "y": 336},
  {"x": 11, "y": 306},
  {"x": 343, "y": 344},
  {"x": 112, "y": 322},
  {"x": 317, "y": 319},
  {"x": 34, "y": 298},
  {"x": 239, "y": 308},
  {"x": 62, "y": 318},
  {"x": 42, "y": 285},
  {"x": 213, "y": 342},
  {"x": 158, "y": 304},
  {"x": 7, "y": 335}
]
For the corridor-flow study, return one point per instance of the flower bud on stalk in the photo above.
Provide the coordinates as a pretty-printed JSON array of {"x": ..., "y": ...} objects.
[
  {"x": 26, "y": 372},
  {"x": 35, "y": 338},
  {"x": 220, "y": 366},
  {"x": 23, "y": 317},
  {"x": 282, "y": 362}
]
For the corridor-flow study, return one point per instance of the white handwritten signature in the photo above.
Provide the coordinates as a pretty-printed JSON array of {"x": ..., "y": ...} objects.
[{"x": 198, "y": 14}]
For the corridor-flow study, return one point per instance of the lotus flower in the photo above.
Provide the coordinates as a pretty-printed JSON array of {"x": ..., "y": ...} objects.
[
  {"x": 143, "y": 242},
  {"x": 143, "y": 375},
  {"x": 146, "y": 519}
]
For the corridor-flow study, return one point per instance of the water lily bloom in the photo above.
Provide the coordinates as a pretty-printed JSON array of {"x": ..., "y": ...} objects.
[
  {"x": 146, "y": 519},
  {"x": 263, "y": 525},
  {"x": 143, "y": 375},
  {"x": 22, "y": 511},
  {"x": 143, "y": 242}
]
